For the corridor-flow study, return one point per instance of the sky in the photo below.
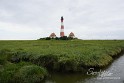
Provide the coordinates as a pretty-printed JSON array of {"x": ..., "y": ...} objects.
[{"x": 87, "y": 19}]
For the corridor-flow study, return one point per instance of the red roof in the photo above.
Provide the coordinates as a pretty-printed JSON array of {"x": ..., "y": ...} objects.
[
  {"x": 53, "y": 35},
  {"x": 71, "y": 34}
]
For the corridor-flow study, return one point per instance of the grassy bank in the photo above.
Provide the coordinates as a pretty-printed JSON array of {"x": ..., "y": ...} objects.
[
  {"x": 13, "y": 71},
  {"x": 71, "y": 55}
]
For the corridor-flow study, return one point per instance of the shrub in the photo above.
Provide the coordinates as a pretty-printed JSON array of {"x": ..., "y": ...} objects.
[
  {"x": 22, "y": 72},
  {"x": 3, "y": 55},
  {"x": 47, "y": 61},
  {"x": 6, "y": 75},
  {"x": 67, "y": 64},
  {"x": 30, "y": 74},
  {"x": 64, "y": 38},
  {"x": 48, "y": 38},
  {"x": 5, "y": 52},
  {"x": 20, "y": 55}
]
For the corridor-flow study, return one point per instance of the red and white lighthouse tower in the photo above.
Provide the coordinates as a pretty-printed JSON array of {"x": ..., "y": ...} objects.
[{"x": 62, "y": 27}]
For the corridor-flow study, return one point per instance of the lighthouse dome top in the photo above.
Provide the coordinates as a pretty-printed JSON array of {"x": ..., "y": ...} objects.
[{"x": 62, "y": 18}]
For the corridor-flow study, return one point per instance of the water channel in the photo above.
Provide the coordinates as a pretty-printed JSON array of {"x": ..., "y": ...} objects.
[{"x": 114, "y": 73}]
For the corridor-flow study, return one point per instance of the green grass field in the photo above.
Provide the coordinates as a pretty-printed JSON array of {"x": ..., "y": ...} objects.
[{"x": 56, "y": 55}]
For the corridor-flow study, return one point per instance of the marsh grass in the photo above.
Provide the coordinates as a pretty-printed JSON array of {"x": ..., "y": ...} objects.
[
  {"x": 25, "y": 59},
  {"x": 30, "y": 74},
  {"x": 23, "y": 72},
  {"x": 56, "y": 55}
]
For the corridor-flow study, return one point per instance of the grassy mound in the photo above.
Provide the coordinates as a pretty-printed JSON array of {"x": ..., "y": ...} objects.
[
  {"x": 22, "y": 72},
  {"x": 30, "y": 74}
]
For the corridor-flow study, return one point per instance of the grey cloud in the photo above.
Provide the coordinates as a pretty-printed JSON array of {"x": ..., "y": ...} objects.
[{"x": 99, "y": 17}]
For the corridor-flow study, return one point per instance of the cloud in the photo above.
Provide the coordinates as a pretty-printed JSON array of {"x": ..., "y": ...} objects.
[{"x": 88, "y": 19}]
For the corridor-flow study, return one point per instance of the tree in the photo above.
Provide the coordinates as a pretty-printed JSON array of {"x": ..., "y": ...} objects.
[
  {"x": 64, "y": 38},
  {"x": 48, "y": 38}
]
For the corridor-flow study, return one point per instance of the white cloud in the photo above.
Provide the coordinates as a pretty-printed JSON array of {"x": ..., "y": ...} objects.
[{"x": 88, "y": 19}]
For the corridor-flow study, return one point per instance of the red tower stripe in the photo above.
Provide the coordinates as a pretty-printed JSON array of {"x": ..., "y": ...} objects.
[{"x": 62, "y": 27}]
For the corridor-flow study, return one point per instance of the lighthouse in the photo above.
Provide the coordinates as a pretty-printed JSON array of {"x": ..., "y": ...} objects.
[
  {"x": 62, "y": 27},
  {"x": 62, "y": 35}
]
